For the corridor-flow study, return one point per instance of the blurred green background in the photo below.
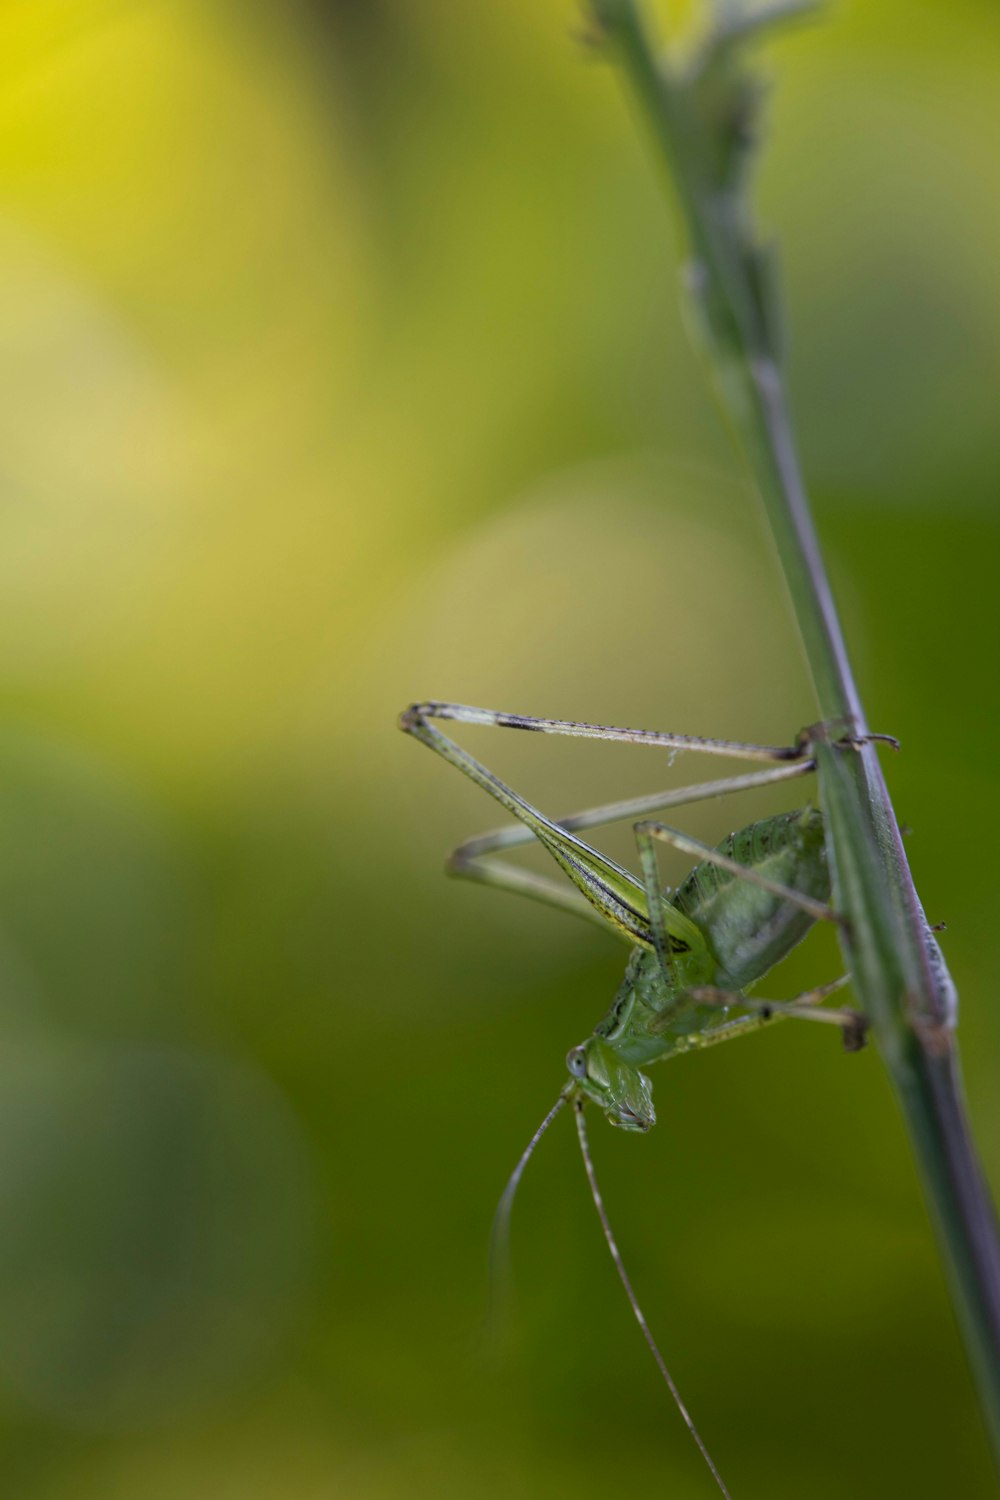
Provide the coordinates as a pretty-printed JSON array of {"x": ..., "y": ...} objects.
[{"x": 340, "y": 365}]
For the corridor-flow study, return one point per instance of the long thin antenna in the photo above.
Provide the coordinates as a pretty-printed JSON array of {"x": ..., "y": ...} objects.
[
  {"x": 500, "y": 1232},
  {"x": 640, "y": 1317}
]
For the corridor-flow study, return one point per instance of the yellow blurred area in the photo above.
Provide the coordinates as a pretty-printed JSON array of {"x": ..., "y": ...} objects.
[
  {"x": 340, "y": 366},
  {"x": 187, "y": 322}
]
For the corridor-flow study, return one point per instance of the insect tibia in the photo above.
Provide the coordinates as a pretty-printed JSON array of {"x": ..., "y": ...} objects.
[{"x": 843, "y": 733}]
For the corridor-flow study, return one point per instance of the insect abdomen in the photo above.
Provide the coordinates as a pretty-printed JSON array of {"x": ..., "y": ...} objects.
[{"x": 749, "y": 929}]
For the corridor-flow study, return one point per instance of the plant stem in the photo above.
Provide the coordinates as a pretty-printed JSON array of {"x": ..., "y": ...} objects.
[{"x": 897, "y": 968}]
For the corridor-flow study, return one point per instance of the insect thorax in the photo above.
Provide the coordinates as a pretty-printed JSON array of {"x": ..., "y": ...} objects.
[{"x": 648, "y": 1016}]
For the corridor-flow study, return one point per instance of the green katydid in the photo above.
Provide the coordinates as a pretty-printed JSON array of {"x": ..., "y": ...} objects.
[{"x": 696, "y": 951}]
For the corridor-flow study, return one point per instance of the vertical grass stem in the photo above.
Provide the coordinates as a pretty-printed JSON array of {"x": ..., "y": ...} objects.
[{"x": 701, "y": 119}]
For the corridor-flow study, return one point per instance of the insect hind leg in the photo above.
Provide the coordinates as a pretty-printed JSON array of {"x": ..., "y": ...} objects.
[
  {"x": 473, "y": 859},
  {"x": 417, "y": 715}
]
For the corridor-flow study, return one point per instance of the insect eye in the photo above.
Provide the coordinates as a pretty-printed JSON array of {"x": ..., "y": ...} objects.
[{"x": 576, "y": 1061}]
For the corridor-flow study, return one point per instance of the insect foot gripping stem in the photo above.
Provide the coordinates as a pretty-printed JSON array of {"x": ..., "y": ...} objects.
[
  {"x": 624, "y": 1094},
  {"x": 855, "y": 1033},
  {"x": 840, "y": 732}
]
